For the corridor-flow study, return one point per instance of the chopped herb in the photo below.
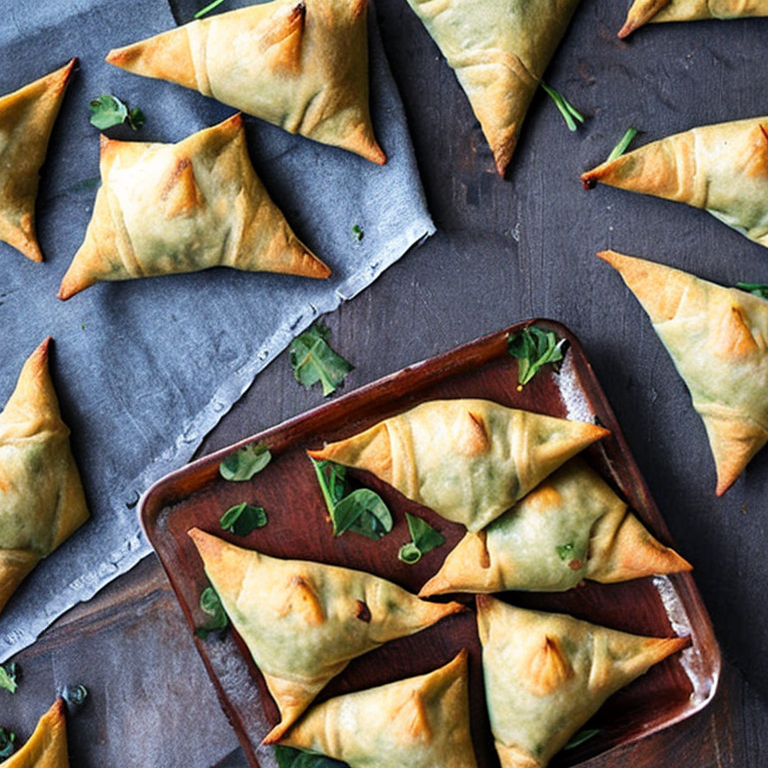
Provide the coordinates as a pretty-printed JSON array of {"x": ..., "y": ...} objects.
[
  {"x": 567, "y": 110},
  {"x": 243, "y": 519},
  {"x": 564, "y": 551},
  {"x": 210, "y": 603},
  {"x": 424, "y": 538},
  {"x": 7, "y": 746},
  {"x": 288, "y": 757},
  {"x": 621, "y": 147},
  {"x": 314, "y": 361},
  {"x": 9, "y": 677},
  {"x": 361, "y": 511},
  {"x": 245, "y": 463},
  {"x": 357, "y": 232},
  {"x": 75, "y": 694},
  {"x": 208, "y": 8},
  {"x": 757, "y": 289},
  {"x": 108, "y": 111},
  {"x": 534, "y": 348},
  {"x": 581, "y": 737}
]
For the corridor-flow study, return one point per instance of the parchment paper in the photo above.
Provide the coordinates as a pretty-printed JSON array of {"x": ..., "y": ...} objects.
[{"x": 145, "y": 368}]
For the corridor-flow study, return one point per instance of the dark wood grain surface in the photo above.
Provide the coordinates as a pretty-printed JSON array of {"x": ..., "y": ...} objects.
[{"x": 505, "y": 250}]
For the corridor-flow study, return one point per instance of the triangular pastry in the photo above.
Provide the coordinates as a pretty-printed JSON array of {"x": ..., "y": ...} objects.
[
  {"x": 303, "y": 622},
  {"x": 172, "y": 208},
  {"x": 547, "y": 674},
  {"x": 467, "y": 459},
  {"x": 47, "y": 746},
  {"x": 718, "y": 340},
  {"x": 721, "y": 168},
  {"x": 299, "y": 64},
  {"x": 571, "y": 527},
  {"x": 645, "y": 11},
  {"x": 420, "y": 722},
  {"x": 499, "y": 50},
  {"x": 26, "y": 123},
  {"x": 41, "y": 497}
]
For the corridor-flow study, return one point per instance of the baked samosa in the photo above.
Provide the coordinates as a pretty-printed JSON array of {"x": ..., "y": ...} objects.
[
  {"x": 26, "y": 123},
  {"x": 645, "y": 11},
  {"x": 467, "y": 459},
  {"x": 499, "y": 50},
  {"x": 547, "y": 674},
  {"x": 299, "y": 64},
  {"x": 47, "y": 746},
  {"x": 571, "y": 527},
  {"x": 721, "y": 168},
  {"x": 420, "y": 722},
  {"x": 172, "y": 208},
  {"x": 303, "y": 622},
  {"x": 718, "y": 340},
  {"x": 41, "y": 496}
]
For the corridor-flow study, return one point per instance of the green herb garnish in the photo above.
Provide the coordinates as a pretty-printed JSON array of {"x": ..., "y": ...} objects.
[
  {"x": 534, "y": 348},
  {"x": 357, "y": 232},
  {"x": 564, "y": 551},
  {"x": 361, "y": 511},
  {"x": 8, "y": 677},
  {"x": 208, "y": 8},
  {"x": 581, "y": 737},
  {"x": 243, "y": 519},
  {"x": 75, "y": 694},
  {"x": 245, "y": 463},
  {"x": 567, "y": 110},
  {"x": 7, "y": 746},
  {"x": 621, "y": 147},
  {"x": 210, "y": 603},
  {"x": 757, "y": 289},
  {"x": 108, "y": 111},
  {"x": 289, "y": 757},
  {"x": 314, "y": 361},
  {"x": 424, "y": 538}
]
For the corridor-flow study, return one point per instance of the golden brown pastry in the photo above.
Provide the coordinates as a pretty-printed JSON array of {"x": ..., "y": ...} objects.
[
  {"x": 721, "y": 168},
  {"x": 26, "y": 123},
  {"x": 299, "y": 64},
  {"x": 303, "y": 622},
  {"x": 41, "y": 497},
  {"x": 644, "y": 11},
  {"x": 718, "y": 340},
  {"x": 421, "y": 722},
  {"x": 547, "y": 674},
  {"x": 172, "y": 208},
  {"x": 47, "y": 746},
  {"x": 467, "y": 459},
  {"x": 571, "y": 527},
  {"x": 499, "y": 50}
]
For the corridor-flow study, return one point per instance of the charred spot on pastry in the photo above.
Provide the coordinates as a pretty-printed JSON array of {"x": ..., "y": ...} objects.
[{"x": 363, "y": 612}]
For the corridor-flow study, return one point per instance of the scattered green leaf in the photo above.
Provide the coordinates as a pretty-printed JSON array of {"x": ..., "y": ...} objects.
[
  {"x": 7, "y": 745},
  {"x": 581, "y": 737},
  {"x": 361, "y": 511},
  {"x": 757, "y": 289},
  {"x": 108, "y": 111},
  {"x": 314, "y": 361},
  {"x": 289, "y": 757},
  {"x": 424, "y": 538},
  {"x": 565, "y": 551},
  {"x": 357, "y": 232},
  {"x": 621, "y": 147},
  {"x": 9, "y": 677},
  {"x": 534, "y": 348},
  {"x": 208, "y": 8},
  {"x": 567, "y": 110},
  {"x": 245, "y": 463},
  {"x": 75, "y": 694},
  {"x": 210, "y": 603},
  {"x": 243, "y": 519}
]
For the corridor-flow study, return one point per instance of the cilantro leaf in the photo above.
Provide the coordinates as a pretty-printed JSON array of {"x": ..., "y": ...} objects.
[
  {"x": 424, "y": 538},
  {"x": 7, "y": 746},
  {"x": 243, "y": 518},
  {"x": 756, "y": 289},
  {"x": 8, "y": 677},
  {"x": 534, "y": 348},
  {"x": 289, "y": 757},
  {"x": 567, "y": 110},
  {"x": 108, "y": 111},
  {"x": 314, "y": 361},
  {"x": 210, "y": 603},
  {"x": 243, "y": 464}
]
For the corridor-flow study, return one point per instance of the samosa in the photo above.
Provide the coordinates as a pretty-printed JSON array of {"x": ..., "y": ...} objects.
[{"x": 47, "y": 746}]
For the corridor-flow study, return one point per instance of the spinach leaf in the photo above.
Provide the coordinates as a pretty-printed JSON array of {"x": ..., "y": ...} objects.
[
  {"x": 313, "y": 360},
  {"x": 245, "y": 463},
  {"x": 288, "y": 757},
  {"x": 9, "y": 677},
  {"x": 210, "y": 603},
  {"x": 108, "y": 111},
  {"x": 243, "y": 518},
  {"x": 7, "y": 746},
  {"x": 534, "y": 348},
  {"x": 424, "y": 538},
  {"x": 756, "y": 289}
]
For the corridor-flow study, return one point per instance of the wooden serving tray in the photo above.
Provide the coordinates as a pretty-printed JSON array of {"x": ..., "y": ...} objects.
[{"x": 298, "y": 527}]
